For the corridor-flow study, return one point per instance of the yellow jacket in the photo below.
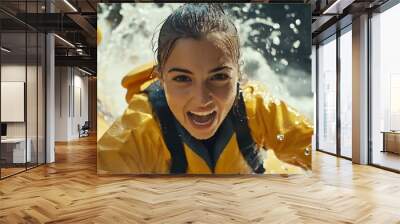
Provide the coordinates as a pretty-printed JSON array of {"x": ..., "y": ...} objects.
[{"x": 134, "y": 143}]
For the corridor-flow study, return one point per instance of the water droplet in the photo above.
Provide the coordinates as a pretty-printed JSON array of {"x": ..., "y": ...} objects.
[
  {"x": 273, "y": 51},
  {"x": 307, "y": 151},
  {"x": 291, "y": 26},
  {"x": 284, "y": 62},
  {"x": 276, "y": 40},
  {"x": 298, "y": 22},
  {"x": 296, "y": 44},
  {"x": 280, "y": 137}
]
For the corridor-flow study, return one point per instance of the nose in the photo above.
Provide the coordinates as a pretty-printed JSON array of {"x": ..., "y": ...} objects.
[{"x": 203, "y": 95}]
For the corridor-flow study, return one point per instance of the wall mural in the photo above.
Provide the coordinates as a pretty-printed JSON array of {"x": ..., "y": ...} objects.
[{"x": 204, "y": 88}]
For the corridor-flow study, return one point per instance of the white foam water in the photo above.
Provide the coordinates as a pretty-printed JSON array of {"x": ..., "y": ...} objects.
[{"x": 130, "y": 44}]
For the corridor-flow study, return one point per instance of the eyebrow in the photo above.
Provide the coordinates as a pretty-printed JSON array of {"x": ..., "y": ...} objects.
[
  {"x": 217, "y": 69},
  {"x": 180, "y": 70}
]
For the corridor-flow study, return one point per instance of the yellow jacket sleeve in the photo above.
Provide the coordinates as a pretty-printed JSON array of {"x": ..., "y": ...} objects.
[
  {"x": 133, "y": 144},
  {"x": 276, "y": 126}
]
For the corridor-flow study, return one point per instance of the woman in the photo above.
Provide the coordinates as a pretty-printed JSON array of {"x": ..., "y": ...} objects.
[{"x": 196, "y": 116}]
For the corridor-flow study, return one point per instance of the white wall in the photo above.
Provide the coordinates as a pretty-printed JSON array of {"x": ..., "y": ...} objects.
[
  {"x": 33, "y": 127},
  {"x": 61, "y": 103},
  {"x": 16, "y": 73},
  {"x": 80, "y": 110},
  {"x": 71, "y": 94},
  {"x": 13, "y": 73}
]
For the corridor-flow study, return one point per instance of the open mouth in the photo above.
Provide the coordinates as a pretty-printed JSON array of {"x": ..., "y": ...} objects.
[{"x": 202, "y": 119}]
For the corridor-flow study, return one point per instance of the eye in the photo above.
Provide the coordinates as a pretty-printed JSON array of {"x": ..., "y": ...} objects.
[
  {"x": 182, "y": 78},
  {"x": 220, "y": 77}
]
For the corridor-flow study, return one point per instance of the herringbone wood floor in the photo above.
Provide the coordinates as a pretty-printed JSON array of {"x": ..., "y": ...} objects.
[{"x": 69, "y": 191}]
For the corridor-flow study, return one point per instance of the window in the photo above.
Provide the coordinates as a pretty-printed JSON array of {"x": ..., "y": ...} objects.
[
  {"x": 385, "y": 89},
  {"x": 327, "y": 96},
  {"x": 22, "y": 75},
  {"x": 346, "y": 74}
]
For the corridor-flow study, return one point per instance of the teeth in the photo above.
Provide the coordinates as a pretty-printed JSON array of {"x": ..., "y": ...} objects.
[{"x": 201, "y": 113}]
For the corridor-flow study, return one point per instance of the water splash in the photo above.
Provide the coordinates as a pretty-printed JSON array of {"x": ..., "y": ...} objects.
[
  {"x": 307, "y": 151},
  {"x": 125, "y": 48},
  {"x": 280, "y": 137},
  {"x": 296, "y": 44},
  {"x": 129, "y": 45}
]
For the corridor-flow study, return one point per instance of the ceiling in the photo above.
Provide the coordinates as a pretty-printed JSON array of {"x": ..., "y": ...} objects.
[
  {"x": 332, "y": 15},
  {"x": 74, "y": 21}
]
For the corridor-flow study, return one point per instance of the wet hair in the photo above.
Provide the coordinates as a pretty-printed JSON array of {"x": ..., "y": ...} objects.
[{"x": 197, "y": 21}]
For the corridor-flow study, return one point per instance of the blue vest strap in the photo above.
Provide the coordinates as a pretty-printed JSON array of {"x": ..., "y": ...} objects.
[{"x": 167, "y": 122}]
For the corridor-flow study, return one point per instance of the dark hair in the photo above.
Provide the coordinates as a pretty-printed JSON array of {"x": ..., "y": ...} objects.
[{"x": 197, "y": 20}]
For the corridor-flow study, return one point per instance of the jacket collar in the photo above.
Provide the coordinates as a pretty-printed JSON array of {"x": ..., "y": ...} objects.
[{"x": 224, "y": 134}]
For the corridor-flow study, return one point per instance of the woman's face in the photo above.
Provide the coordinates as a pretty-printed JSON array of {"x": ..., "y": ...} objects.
[{"x": 200, "y": 83}]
